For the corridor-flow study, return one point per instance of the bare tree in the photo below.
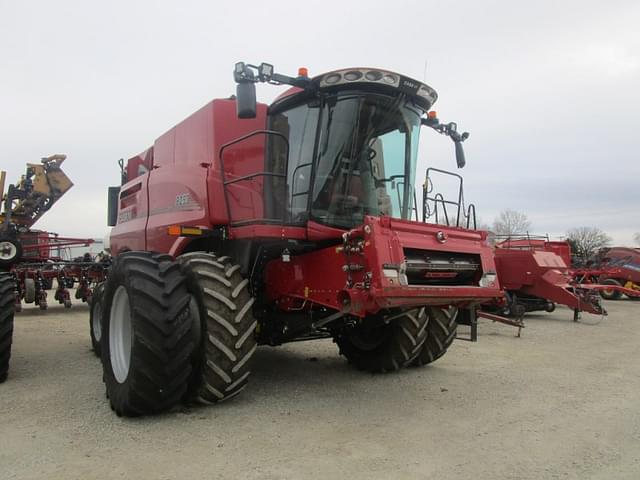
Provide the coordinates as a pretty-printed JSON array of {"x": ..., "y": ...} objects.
[
  {"x": 586, "y": 241},
  {"x": 636, "y": 237},
  {"x": 511, "y": 222}
]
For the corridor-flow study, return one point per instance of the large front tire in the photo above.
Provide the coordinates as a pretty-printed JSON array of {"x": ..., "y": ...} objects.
[
  {"x": 7, "y": 307},
  {"x": 147, "y": 339},
  {"x": 441, "y": 331},
  {"x": 222, "y": 363},
  {"x": 388, "y": 347}
]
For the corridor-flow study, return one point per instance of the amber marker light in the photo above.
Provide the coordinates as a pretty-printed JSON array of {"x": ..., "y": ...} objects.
[{"x": 174, "y": 230}]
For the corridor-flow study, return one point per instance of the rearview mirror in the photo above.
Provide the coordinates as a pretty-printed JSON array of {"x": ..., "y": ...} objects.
[
  {"x": 246, "y": 100},
  {"x": 112, "y": 206}
]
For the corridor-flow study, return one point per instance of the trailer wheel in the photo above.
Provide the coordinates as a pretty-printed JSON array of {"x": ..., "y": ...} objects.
[
  {"x": 95, "y": 318},
  {"x": 441, "y": 331},
  {"x": 147, "y": 341},
  {"x": 225, "y": 326},
  {"x": 7, "y": 306},
  {"x": 611, "y": 294},
  {"x": 386, "y": 348},
  {"x": 29, "y": 290},
  {"x": 10, "y": 251}
]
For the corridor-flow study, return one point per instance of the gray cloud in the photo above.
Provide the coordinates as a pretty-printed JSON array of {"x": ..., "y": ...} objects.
[{"x": 548, "y": 90}]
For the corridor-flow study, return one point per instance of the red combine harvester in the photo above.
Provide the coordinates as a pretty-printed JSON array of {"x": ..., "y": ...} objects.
[
  {"x": 249, "y": 224},
  {"x": 534, "y": 272}
]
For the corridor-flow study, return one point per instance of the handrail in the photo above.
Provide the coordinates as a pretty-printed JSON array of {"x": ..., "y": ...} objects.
[
  {"x": 226, "y": 183},
  {"x": 438, "y": 198},
  {"x": 470, "y": 209}
]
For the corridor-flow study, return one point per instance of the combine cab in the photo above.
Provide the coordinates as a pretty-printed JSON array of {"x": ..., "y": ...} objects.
[{"x": 288, "y": 222}]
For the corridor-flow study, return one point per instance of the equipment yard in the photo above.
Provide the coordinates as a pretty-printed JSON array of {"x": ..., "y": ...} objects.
[{"x": 559, "y": 402}]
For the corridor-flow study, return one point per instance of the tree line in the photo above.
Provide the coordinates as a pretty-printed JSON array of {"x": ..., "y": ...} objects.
[{"x": 585, "y": 241}]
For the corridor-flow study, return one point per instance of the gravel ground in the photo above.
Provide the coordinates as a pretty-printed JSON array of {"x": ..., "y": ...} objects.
[{"x": 560, "y": 402}]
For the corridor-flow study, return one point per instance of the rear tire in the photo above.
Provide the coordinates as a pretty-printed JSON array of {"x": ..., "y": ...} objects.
[
  {"x": 7, "y": 306},
  {"x": 389, "y": 347},
  {"x": 227, "y": 342},
  {"x": 441, "y": 332},
  {"x": 611, "y": 294},
  {"x": 147, "y": 341},
  {"x": 95, "y": 318}
]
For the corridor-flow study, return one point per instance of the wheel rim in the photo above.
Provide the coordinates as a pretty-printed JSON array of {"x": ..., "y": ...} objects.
[
  {"x": 8, "y": 251},
  {"x": 96, "y": 324},
  {"x": 120, "y": 335}
]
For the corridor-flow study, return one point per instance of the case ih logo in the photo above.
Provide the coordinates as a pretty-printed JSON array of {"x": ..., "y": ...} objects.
[{"x": 126, "y": 216}]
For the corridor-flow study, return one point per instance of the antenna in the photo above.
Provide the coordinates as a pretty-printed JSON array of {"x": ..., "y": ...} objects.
[{"x": 424, "y": 77}]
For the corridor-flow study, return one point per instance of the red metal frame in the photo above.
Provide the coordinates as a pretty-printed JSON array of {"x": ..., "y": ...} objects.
[
  {"x": 621, "y": 264},
  {"x": 46, "y": 242},
  {"x": 84, "y": 275},
  {"x": 361, "y": 281},
  {"x": 41, "y": 264}
]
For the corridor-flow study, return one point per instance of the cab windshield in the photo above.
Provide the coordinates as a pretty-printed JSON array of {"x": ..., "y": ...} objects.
[{"x": 366, "y": 149}]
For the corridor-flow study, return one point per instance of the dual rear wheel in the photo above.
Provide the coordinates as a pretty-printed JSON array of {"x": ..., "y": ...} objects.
[
  {"x": 172, "y": 331},
  {"x": 413, "y": 337}
]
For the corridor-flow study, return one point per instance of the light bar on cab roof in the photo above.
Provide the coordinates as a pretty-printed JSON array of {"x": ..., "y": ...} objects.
[{"x": 380, "y": 77}]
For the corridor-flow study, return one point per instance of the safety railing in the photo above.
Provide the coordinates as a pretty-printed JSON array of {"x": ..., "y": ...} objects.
[
  {"x": 249, "y": 195},
  {"x": 436, "y": 207}
]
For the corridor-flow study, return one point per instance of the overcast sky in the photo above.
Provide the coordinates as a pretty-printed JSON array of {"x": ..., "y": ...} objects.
[{"x": 549, "y": 90}]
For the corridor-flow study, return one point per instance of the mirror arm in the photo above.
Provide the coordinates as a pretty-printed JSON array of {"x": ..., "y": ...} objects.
[
  {"x": 450, "y": 130},
  {"x": 246, "y": 72},
  {"x": 247, "y": 75}
]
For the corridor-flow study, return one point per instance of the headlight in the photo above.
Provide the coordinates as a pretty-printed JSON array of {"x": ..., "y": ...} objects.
[{"x": 488, "y": 280}]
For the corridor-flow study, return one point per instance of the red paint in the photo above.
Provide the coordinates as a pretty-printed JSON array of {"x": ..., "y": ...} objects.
[
  {"x": 540, "y": 274},
  {"x": 318, "y": 277}
]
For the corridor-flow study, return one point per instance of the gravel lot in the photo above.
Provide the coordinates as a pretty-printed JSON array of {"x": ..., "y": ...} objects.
[{"x": 563, "y": 401}]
